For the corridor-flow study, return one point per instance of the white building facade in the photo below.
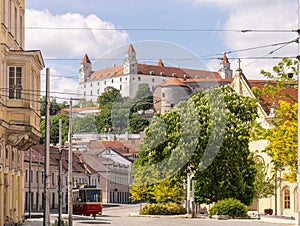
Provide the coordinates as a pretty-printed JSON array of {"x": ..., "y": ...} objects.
[{"x": 131, "y": 74}]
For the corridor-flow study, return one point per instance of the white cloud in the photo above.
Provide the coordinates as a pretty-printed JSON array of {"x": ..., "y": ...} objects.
[
  {"x": 69, "y": 43},
  {"x": 256, "y": 15}
]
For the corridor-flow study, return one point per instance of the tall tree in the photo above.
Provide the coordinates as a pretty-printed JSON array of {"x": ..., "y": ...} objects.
[
  {"x": 143, "y": 99},
  {"x": 54, "y": 129},
  {"x": 283, "y": 145},
  {"x": 108, "y": 96},
  {"x": 207, "y": 136},
  {"x": 84, "y": 124},
  {"x": 264, "y": 183},
  {"x": 54, "y": 106}
]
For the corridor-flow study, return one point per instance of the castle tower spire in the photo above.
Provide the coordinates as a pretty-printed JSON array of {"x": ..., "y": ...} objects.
[
  {"x": 85, "y": 69},
  {"x": 130, "y": 61}
]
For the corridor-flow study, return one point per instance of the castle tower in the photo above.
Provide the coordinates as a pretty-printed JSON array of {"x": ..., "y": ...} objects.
[
  {"x": 225, "y": 70},
  {"x": 130, "y": 61},
  {"x": 85, "y": 69}
]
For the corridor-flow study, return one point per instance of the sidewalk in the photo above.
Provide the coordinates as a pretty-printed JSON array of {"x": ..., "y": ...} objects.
[{"x": 277, "y": 219}]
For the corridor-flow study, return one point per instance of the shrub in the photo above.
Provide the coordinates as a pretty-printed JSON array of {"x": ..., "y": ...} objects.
[
  {"x": 63, "y": 223},
  {"x": 163, "y": 209},
  {"x": 232, "y": 207}
]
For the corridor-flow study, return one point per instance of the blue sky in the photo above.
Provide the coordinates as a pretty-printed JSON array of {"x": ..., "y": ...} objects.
[{"x": 118, "y": 18}]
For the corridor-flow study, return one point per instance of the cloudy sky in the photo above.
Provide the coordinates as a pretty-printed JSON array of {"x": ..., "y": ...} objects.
[{"x": 64, "y": 30}]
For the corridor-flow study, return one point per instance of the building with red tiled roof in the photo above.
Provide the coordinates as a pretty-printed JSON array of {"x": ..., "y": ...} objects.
[
  {"x": 34, "y": 160},
  {"x": 128, "y": 76}
]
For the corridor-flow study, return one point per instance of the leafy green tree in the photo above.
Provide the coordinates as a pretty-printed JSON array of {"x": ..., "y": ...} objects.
[
  {"x": 138, "y": 123},
  {"x": 264, "y": 184},
  {"x": 54, "y": 106},
  {"x": 84, "y": 124},
  {"x": 143, "y": 99},
  {"x": 207, "y": 136},
  {"x": 108, "y": 96},
  {"x": 54, "y": 129},
  {"x": 103, "y": 120},
  {"x": 283, "y": 145}
]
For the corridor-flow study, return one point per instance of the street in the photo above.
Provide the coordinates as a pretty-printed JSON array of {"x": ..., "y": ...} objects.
[
  {"x": 126, "y": 215},
  {"x": 119, "y": 216}
]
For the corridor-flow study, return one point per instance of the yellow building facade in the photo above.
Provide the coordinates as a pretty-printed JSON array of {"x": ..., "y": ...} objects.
[{"x": 19, "y": 107}]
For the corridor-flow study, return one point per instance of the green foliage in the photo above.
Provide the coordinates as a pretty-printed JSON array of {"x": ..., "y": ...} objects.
[
  {"x": 231, "y": 207},
  {"x": 84, "y": 124},
  {"x": 54, "y": 106},
  {"x": 143, "y": 99},
  {"x": 54, "y": 129},
  {"x": 264, "y": 185},
  {"x": 116, "y": 111},
  {"x": 138, "y": 123},
  {"x": 163, "y": 209},
  {"x": 208, "y": 135},
  {"x": 108, "y": 96},
  {"x": 168, "y": 190},
  {"x": 103, "y": 120},
  {"x": 63, "y": 223},
  {"x": 283, "y": 145}
]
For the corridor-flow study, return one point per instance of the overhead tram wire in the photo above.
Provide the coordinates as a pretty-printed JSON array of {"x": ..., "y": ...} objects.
[
  {"x": 205, "y": 57},
  {"x": 164, "y": 29}
]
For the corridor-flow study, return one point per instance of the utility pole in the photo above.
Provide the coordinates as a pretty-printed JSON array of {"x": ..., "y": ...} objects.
[
  {"x": 46, "y": 219},
  {"x": 60, "y": 176},
  {"x": 70, "y": 173},
  {"x": 30, "y": 179}
]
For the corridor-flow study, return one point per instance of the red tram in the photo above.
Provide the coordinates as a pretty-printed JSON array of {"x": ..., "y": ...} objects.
[{"x": 87, "y": 201}]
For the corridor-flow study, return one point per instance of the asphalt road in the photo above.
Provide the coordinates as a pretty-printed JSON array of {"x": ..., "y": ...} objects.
[{"x": 126, "y": 215}]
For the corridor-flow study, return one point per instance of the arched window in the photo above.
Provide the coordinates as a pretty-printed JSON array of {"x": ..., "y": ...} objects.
[{"x": 287, "y": 199}]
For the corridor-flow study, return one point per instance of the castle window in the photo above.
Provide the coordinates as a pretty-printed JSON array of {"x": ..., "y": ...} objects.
[
  {"x": 91, "y": 84},
  {"x": 15, "y": 82},
  {"x": 104, "y": 82},
  {"x": 139, "y": 78},
  {"x": 287, "y": 199},
  {"x": 163, "y": 94},
  {"x": 120, "y": 87},
  {"x": 112, "y": 81},
  {"x": 153, "y": 80},
  {"x": 120, "y": 79}
]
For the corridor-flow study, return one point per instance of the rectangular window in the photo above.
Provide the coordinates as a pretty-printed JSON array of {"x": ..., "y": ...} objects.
[
  {"x": 9, "y": 15},
  {"x": 26, "y": 175},
  {"x": 53, "y": 179},
  {"x": 31, "y": 176},
  {"x": 16, "y": 24},
  {"x": 42, "y": 177},
  {"x": 21, "y": 31},
  {"x": 15, "y": 82},
  {"x": 37, "y": 177},
  {"x": 3, "y": 11}
]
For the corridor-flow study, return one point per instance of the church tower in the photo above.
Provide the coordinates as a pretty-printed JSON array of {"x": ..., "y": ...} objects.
[
  {"x": 85, "y": 69},
  {"x": 225, "y": 70},
  {"x": 130, "y": 61}
]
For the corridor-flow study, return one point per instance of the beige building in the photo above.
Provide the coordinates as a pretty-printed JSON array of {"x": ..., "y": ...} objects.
[
  {"x": 284, "y": 201},
  {"x": 19, "y": 110}
]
